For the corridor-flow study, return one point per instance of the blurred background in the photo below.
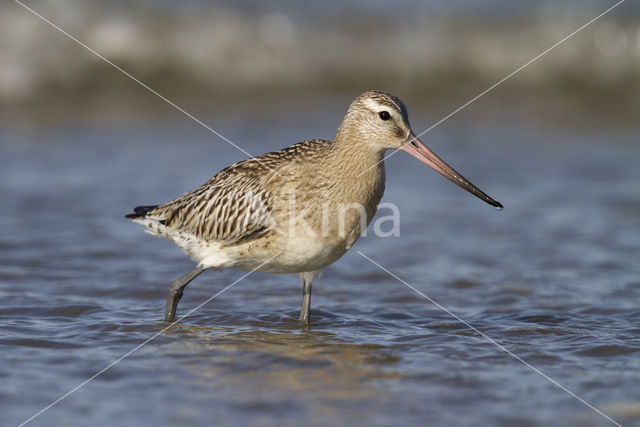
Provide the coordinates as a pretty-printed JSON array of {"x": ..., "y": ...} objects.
[
  {"x": 199, "y": 52},
  {"x": 554, "y": 277}
]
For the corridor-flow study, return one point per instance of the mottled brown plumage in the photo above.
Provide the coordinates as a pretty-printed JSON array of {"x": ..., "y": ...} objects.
[{"x": 235, "y": 204}]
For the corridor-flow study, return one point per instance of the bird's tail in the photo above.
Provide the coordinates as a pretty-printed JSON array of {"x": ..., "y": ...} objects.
[{"x": 140, "y": 211}]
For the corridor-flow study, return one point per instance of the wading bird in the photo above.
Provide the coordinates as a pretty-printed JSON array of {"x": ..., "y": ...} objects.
[{"x": 295, "y": 210}]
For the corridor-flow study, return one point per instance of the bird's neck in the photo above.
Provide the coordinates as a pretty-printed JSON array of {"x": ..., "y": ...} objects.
[
  {"x": 360, "y": 169},
  {"x": 355, "y": 158}
]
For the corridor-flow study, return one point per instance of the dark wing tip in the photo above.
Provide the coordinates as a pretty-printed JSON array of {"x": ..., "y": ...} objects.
[{"x": 140, "y": 211}]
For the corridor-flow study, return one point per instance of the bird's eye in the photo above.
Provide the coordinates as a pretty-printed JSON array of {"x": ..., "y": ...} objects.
[{"x": 384, "y": 115}]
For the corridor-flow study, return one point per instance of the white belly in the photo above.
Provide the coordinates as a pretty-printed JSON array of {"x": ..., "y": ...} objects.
[{"x": 272, "y": 254}]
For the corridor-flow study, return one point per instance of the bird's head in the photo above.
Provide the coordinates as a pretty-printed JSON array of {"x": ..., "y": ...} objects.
[{"x": 380, "y": 121}]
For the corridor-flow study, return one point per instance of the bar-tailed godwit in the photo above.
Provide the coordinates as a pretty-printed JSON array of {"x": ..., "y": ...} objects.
[{"x": 295, "y": 210}]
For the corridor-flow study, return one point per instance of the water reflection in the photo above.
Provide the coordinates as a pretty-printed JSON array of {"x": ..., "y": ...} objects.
[{"x": 257, "y": 368}]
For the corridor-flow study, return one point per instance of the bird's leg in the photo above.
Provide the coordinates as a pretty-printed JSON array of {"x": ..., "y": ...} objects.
[
  {"x": 175, "y": 293},
  {"x": 306, "y": 298}
]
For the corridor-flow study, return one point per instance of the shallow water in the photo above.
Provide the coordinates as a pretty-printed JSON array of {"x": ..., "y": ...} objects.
[{"x": 554, "y": 278}]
